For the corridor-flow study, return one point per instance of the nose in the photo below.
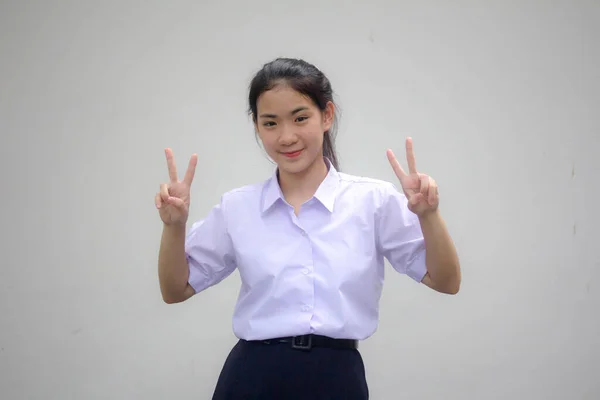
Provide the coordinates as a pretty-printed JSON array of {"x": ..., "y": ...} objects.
[{"x": 287, "y": 137}]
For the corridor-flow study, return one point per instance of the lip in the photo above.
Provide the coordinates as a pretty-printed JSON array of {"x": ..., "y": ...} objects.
[{"x": 292, "y": 154}]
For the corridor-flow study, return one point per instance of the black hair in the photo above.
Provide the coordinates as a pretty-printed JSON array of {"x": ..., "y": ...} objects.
[{"x": 304, "y": 78}]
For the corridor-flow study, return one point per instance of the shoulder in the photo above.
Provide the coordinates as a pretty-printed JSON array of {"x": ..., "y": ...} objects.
[
  {"x": 378, "y": 197},
  {"x": 378, "y": 190},
  {"x": 243, "y": 196},
  {"x": 246, "y": 191},
  {"x": 367, "y": 182}
]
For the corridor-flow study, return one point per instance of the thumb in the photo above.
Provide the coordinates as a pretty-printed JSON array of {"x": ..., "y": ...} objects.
[
  {"x": 415, "y": 199},
  {"x": 176, "y": 202}
]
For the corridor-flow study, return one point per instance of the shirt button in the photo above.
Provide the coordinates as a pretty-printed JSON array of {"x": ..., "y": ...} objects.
[
  {"x": 306, "y": 271},
  {"x": 305, "y": 308}
]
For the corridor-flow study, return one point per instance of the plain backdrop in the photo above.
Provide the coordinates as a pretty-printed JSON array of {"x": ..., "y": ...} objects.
[{"x": 502, "y": 99}]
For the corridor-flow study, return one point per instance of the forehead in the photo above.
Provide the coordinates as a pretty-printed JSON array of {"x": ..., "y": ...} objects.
[{"x": 282, "y": 98}]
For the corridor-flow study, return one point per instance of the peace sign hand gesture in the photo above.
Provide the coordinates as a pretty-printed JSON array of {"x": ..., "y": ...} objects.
[
  {"x": 173, "y": 199},
  {"x": 420, "y": 189}
]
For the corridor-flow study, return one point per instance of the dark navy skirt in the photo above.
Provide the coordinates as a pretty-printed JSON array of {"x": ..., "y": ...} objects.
[{"x": 260, "y": 371}]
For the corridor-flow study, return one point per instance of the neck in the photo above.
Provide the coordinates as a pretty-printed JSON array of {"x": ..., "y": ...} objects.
[{"x": 303, "y": 185}]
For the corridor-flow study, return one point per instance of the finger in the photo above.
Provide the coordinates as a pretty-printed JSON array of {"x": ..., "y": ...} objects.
[
  {"x": 415, "y": 199},
  {"x": 189, "y": 174},
  {"x": 164, "y": 192},
  {"x": 424, "y": 179},
  {"x": 410, "y": 157},
  {"x": 171, "y": 165},
  {"x": 395, "y": 164},
  {"x": 177, "y": 202},
  {"x": 158, "y": 200},
  {"x": 433, "y": 193}
]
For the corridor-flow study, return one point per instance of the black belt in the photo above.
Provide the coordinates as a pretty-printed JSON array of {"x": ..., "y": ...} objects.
[{"x": 306, "y": 342}]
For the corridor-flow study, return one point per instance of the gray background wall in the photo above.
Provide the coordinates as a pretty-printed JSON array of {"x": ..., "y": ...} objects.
[{"x": 501, "y": 97}]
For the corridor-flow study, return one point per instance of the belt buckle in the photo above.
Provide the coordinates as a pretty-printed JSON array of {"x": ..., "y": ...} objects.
[{"x": 303, "y": 342}]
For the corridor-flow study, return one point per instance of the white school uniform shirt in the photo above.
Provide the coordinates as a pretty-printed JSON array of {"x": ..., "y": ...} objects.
[{"x": 319, "y": 272}]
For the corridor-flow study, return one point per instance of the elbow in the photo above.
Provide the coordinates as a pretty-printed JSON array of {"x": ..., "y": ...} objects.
[
  {"x": 448, "y": 288},
  {"x": 453, "y": 282},
  {"x": 177, "y": 296},
  {"x": 452, "y": 286},
  {"x": 171, "y": 300},
  {"x": 452, "y": 289},
  {"x": 448, "y": 284},
  {"x": 170, "y": 296}
]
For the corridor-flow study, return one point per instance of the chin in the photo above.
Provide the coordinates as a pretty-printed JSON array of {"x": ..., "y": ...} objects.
[
  {"x": 292, "y": 168},
  {"x": 294, "y": 165}
]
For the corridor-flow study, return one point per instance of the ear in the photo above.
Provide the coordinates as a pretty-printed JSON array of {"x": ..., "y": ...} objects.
[{"x": 328, "y": 115}]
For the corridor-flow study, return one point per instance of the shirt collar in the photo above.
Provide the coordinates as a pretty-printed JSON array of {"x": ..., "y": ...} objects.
[{"x": 325, "y": 193}]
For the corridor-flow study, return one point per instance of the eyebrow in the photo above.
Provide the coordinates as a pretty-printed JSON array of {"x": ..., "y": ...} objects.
[{"x": 294, "y": 111}]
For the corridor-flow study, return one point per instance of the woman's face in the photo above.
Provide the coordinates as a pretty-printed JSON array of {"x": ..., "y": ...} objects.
[{"x": 291, "y": 128}]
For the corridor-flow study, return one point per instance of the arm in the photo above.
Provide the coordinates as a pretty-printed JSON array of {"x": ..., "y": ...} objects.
[
  {"x": 173, "y": 269},
  {"x": 440, "y": 267},
  {"x": 188, "y": 264},
  {"x": 172, "y": 202},
  {"x": 443, "y": 267}
]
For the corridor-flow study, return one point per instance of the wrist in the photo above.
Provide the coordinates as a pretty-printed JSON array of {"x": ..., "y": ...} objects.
[
  {"x": 174, "y": 228},
  {"x": 430, "y": 216}
]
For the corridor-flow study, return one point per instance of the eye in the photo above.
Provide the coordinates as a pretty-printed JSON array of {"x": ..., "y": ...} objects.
[
  {"x": 301, "y": 119},
  {"x": 269, "y": 123}
]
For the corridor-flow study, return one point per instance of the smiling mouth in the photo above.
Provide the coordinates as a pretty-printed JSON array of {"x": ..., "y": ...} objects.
[{"x": 292, "y": 154}]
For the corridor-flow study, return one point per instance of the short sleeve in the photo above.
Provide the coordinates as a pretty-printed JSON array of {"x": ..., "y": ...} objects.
[
  {"x": 399, "y": 236},
  {"x": 209, "y": 250}
]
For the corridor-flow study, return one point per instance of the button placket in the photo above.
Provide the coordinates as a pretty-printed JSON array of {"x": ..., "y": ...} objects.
[{"x": 306, "y": 269}]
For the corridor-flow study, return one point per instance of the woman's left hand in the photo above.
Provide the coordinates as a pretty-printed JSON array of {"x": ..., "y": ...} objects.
[{"x": 420, "y": 189}]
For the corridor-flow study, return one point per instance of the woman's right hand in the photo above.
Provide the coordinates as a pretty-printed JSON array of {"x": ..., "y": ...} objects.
[{"x": 173, "y": 198}]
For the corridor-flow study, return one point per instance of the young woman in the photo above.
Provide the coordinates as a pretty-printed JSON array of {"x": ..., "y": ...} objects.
[{"x": 309, "y": 244}]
